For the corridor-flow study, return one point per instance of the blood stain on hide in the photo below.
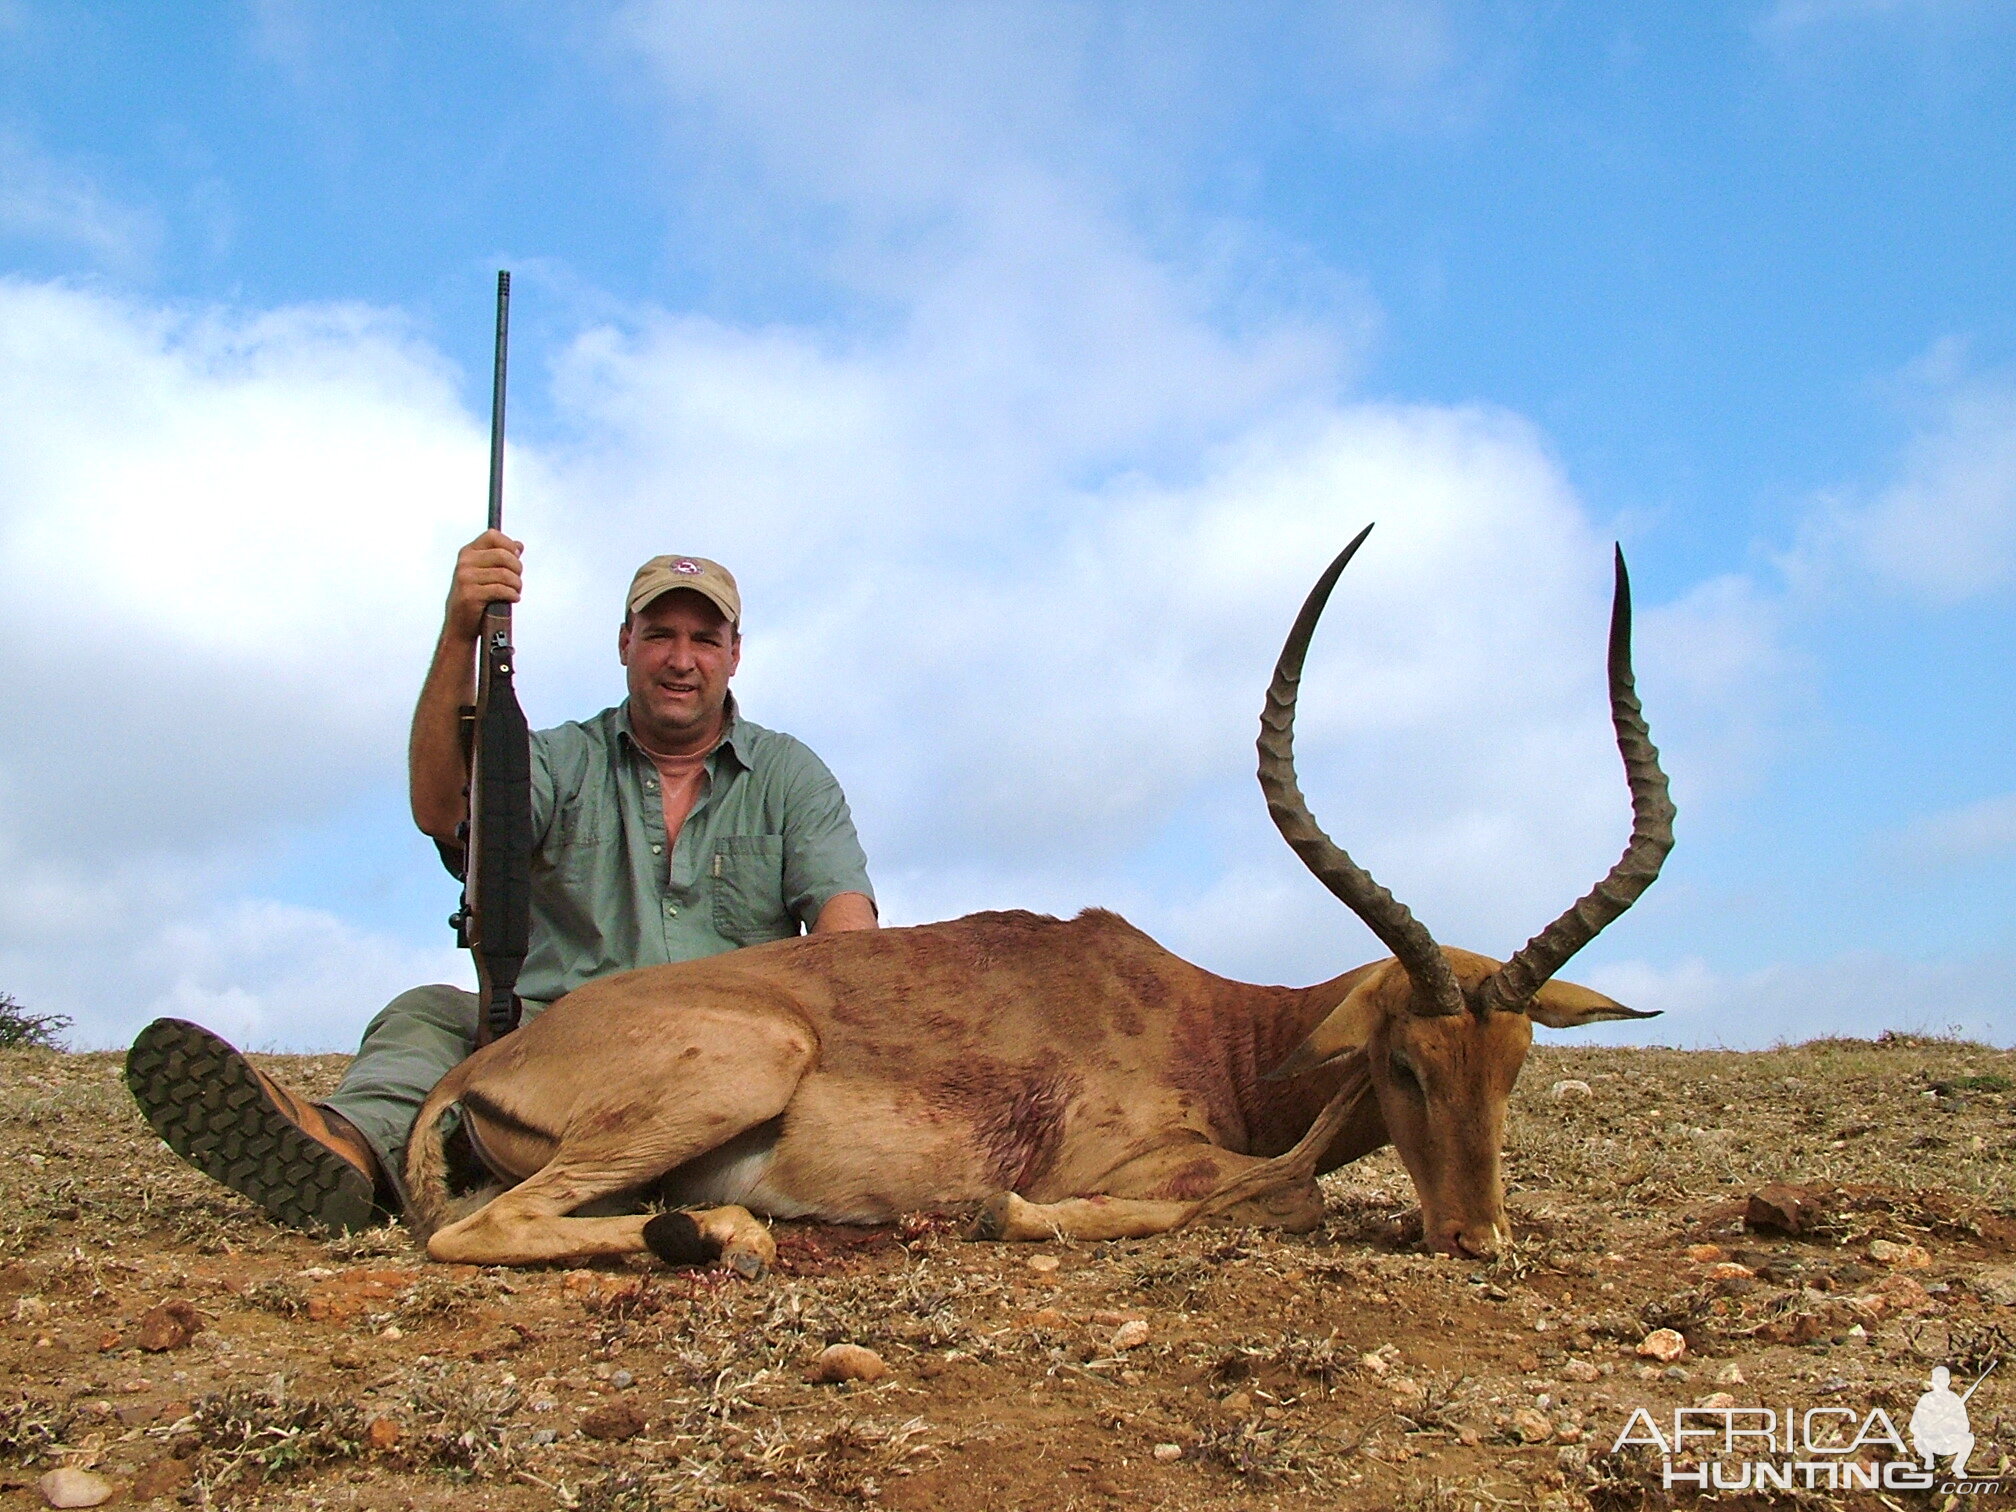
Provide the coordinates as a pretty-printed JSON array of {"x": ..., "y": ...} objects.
[
  {"x": 1196, "y": 1179},
  {"x": 1016, "y": 1114}
]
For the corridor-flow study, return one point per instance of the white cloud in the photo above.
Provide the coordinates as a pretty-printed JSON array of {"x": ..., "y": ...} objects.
[
  {"x": 227, "y": 538},
  {"x": 1942, "y": 528},
  {"x": 1860, "y": 995},
  {"x": 259, "y": 972},
  {"x": 1729, "y": 684},
  {"x": 51, "y": 202},
  {"x": 1945, "y": 528},
  {"x": 1964, "y": 836}
]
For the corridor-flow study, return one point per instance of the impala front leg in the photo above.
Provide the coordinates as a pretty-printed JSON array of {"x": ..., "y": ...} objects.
[{"x": 732, "y": 1235}]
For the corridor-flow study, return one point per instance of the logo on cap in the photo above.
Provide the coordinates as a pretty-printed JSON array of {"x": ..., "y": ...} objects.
[{"x": 688, "y": 566}]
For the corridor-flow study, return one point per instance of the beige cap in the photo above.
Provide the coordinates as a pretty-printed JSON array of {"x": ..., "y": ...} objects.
[{"x": 662, "y": 574}]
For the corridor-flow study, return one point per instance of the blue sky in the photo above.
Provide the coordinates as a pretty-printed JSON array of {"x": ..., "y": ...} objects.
[{"x": 1026, "y": 362}]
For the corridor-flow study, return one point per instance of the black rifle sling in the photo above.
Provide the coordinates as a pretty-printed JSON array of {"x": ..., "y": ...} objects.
[{"x": 500, "y": 863}]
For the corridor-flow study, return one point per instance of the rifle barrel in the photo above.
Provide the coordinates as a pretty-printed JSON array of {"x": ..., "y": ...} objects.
[{"x": 497, "y": 401}]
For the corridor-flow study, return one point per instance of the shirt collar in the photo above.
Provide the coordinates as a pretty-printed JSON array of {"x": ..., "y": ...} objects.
[{"x": 734, "y": 738}]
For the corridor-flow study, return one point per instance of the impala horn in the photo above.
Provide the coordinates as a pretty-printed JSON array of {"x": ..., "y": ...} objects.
[
  {"x": 1435, "y": 989},
  {"x": 1511, "y": 987}
]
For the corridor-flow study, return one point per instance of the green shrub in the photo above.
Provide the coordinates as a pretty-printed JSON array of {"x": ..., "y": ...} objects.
[{"x": 22, "y": 1030}]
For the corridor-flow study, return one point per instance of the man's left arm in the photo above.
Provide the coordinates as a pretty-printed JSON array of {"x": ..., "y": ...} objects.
[
  {"x": 826, "y": 884},
  {"x": 848, "y": 910}
]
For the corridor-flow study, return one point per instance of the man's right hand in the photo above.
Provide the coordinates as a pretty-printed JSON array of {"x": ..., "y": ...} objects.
[{"x": 489, "y": 570}]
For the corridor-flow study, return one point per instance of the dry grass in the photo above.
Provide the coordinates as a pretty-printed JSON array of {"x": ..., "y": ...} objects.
[{"x": 1336, "y": 1369}]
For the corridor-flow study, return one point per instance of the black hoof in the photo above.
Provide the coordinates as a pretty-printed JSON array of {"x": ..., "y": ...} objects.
[{"x": 676, "y": 1239}]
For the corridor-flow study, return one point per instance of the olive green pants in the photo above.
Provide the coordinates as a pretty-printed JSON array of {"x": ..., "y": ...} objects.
[{"x": 418, "y": 1038}]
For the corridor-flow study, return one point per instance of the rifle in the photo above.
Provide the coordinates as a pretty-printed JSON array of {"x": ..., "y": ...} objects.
[{"x": 494, "y": 922}]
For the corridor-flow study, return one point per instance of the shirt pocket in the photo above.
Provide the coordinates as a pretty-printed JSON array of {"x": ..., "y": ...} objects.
[
  {"x": 576, "y": 846},
  {"x": 746, "y": 875}
]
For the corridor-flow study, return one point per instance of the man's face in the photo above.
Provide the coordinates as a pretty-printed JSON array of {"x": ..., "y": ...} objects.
[{"x": 679, "y": 651}]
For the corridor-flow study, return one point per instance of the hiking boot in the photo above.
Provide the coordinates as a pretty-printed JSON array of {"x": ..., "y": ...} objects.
[{"x": 307, "y": 1167}]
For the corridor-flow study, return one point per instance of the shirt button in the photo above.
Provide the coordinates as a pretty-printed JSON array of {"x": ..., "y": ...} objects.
[
  {"x": 651, "y": 783},
  {"x": 671, "y": 910},
  {"x": 657, "y": 850}
]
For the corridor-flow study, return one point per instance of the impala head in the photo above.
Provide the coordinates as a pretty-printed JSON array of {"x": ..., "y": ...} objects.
[{"x": 1444, "y": 1032}]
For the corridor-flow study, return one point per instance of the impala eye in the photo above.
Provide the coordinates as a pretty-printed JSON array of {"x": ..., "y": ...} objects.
[{"x": 1402, "y": 1071}]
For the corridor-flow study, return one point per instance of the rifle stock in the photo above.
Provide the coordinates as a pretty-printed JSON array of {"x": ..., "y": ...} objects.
[{"x": 494, "y": 923}]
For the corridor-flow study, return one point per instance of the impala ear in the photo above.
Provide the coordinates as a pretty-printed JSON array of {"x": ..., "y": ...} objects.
[
  {"x": 1563, "y": 1005},
  {"x": 1346, "y": 1029}
]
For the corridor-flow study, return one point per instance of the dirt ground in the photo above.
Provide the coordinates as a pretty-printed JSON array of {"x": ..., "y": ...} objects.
[{"x": 160, "y": 1334}]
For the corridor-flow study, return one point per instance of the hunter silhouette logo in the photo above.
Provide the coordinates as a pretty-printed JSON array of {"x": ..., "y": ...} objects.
[
  {"x": 1727, "y": 1447},
  {"x": 1939, "y": 1422}
]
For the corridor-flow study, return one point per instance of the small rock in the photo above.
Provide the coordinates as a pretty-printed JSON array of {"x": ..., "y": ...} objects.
[
  {"x": 1107, "y": 1318},
  {"x": 1581, "y": 1370},
  {"x": 849, "y": 1362},
  {"x": 1908, "y": 1256},
  {"x": 1046, "y": 1317},
  {"x": 543, "y": 1436},
  {"x": 614, "y": 1422},
  {"x": 169, "y": 1326},
  {"x": 1788, "y": 1209},
  {"x": 70, "y": 1487},
  {"x": 136, "y": 1386},
  {"x": 1902, "y": 1294},
  {"x": 392, "y": 1331},
  {"x": 1238, "y": 1404},
  {"x": 347, "y": 1357},
  {"x": 622, "y": 1380},
  {"x": 107, "y": 1342},
  {"x": 1167, "y": 1452},
  {"x": 1570, "y": 1090},
  {"x": 1729, "y": 1270},
  {"x": 1374, "y": 1363},
  {"x": 1530, "y": 1426},
  {"x": 30, "y": 1309},
  {"x": 1043, "y": 1265},
  {"x": 1662, "y": 1344},
  {"x": 544, "y": 1403},
  {"x": 382, "y": 1433},
  {"x": 1130, "y": 1335},
  {"x": 1730, "y": 1374},
  {"x": 1468, "y": 1436},
  {"x": 1717, "y": 1399},
  {"x": 1676, "y": 1373},
  {"x": 1706, "y": 1254},
  {"x": 1131, "y": 1378}
]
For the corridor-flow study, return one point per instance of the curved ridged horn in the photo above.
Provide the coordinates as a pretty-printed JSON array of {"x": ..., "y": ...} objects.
[
  {"x": 1435, "y": 988},
  {"x": 1512, "y": 986}
]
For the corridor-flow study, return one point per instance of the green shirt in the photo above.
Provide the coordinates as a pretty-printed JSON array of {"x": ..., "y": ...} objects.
[{"x": 768, "y": 843}]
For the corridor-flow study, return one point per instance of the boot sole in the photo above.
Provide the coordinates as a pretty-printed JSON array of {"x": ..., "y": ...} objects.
[{"x": 202, "y": 1097}]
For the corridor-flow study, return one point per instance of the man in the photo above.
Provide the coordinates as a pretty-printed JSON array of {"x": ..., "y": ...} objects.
[{"x": 666, "y": 829}]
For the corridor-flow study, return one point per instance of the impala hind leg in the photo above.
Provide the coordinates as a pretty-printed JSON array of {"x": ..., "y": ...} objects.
[
  {"x": 628, "y": 1135},
  {"x": 1152, "y": 1195}
]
